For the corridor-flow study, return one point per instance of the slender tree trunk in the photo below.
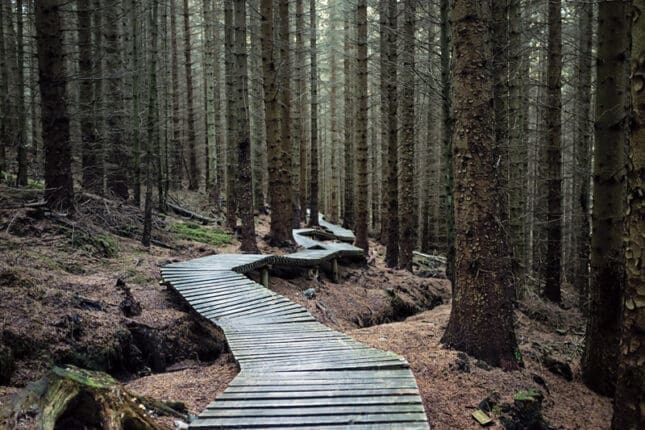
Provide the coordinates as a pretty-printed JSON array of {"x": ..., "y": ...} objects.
[
  {"x": 193, "y": 177},
  {"x": 554, "y": 154},
  {"x": 583, "y": 151},
  {"x": 284, "y": 76},
  {"x": 630, "y": 387},
  {"x": 59, "y": 189},
  {"x": 350, "y": 196},
  {"x": 607, "y": 252},
  {"x": 406, "y": 155},
  {"x": 231, "y": 133},
  {"x": 313, "y": 180},
  {"x": 245, "y": 179},
  {"x": 392, "y": 194},
  {"x": 176, "y": 142},
  {"x": 96, "y": 162},
  {"x": 361, "y": 128},
  {"x": 446, "y": 121},
  {"x": 333, "y": 119},
  {"x": 136, "y": 104},
  {"x": 384, "y": 107},
  {"x": 220, "y": 142},
  {"x": 21, "y": 177},
  {"x": 300, "y": 123},
  {"x": 209, "y": 89},
  {"x": 152, "y": 126},
  {"x": 4, "y": 97},
  {"x": 481, "y": 319}
]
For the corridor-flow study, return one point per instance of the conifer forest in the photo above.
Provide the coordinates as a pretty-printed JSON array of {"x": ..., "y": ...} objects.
[{"x": 383, "y": 214}]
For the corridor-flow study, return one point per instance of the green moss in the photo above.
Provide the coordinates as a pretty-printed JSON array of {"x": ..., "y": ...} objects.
[
  {"x": 202, "y": 234},
  {"x": 529, "y": 395},
  {"x": 39, "y": 185},
  {"x": 85, "y": 377}
]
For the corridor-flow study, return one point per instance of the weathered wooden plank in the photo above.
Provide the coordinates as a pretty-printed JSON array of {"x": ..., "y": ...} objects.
[
  {"x": 347, "y": 419},
  {"x": 308, "y": 411},
  {"x": 341, "y": 401}
]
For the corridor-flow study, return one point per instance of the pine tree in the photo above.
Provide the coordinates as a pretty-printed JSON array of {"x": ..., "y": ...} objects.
[
  {"x": 313, "y": 84},
  {"x": 361, "y": 127}
]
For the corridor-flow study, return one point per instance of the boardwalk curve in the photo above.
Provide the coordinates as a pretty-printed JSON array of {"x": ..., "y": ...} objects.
[{"x": 294, "y": 371}]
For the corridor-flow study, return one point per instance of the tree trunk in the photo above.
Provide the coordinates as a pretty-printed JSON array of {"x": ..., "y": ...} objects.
[
  {"x": 446, "y": 122},
  {"x": 313, "y": 180},
  {"x": 209, "y": 89},
  {"x": 607, "y": 252},
  {"x": 630, "y": 387},
  {"x": 350, "y": 112},
  {"x": 333, "y": 119},
  {"x": 231, "y": 133},
  {"x": 220, "y": 143},
  {"x": 176, "y": 142},
  {"x": 301, "y": 85},
  {"x": 392, "y": 189},
  {"x": 361, "y": 128},
  {"x": 4, "y": 98},
  {"x": 583, "y": 151},
  {"x": 406, "y": 155},
  {"x": 136, "y": 104},
  {"x": 553, "y": 267},
  {"x": 481, "y": 319},
  {"x": 245, "y": 179},
  {"x": 193, "y": 176},
  {"x": 59, "y": 189},
  {"x": 21, "y": 177}
]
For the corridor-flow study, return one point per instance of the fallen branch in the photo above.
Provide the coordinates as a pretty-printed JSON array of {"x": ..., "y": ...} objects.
[{"x": 189, "y": 214}]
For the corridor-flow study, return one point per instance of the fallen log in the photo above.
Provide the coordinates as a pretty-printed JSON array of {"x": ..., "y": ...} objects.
[{"x": 189, "y": 214}]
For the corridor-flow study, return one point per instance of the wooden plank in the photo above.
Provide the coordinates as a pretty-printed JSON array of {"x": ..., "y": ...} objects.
[
  {"x": 307, "y": 411},
  {"x": 347, "y": 419},
  {"x": 341, "y": 401}
]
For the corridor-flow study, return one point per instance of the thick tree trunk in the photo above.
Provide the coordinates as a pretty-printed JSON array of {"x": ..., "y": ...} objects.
[
  {"x": 333, "y": 185},
  {"x": 481, "y": 319},
  {"x": 193, "y": 176},
  {"x": 406, "y": 148},
  {"x": 553, "y": 266},
  {"x": 136, "y": 104},
  {"x": 361, "y": 128},
  {"x": 301, "y": 109},
  {"x": 177, "y": 170},
  {"x": 348, "y": 93},
  {"x": 209, "y": 90},
  {"x": 4, "y": 98},
  {"x": 245, "y": 179},
  {"x": 59, "y": 190},
  {"x": 630, "y": 387},
  {"x": 220, "y": 142},
  {"x": 231, "y": 122},
  {"x": 313, "y": 84},
  {"x": 607, "y": 252}
]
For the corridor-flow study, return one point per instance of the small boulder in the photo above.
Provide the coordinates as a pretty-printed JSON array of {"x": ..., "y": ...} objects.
[{"x": 309, "y": 293}]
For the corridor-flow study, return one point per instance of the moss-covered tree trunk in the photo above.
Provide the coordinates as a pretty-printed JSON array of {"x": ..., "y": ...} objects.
[
  {"x": 607, "y": 253},
  {"x": 481, "y": 319},
  {"x": 629, "y": 404}
]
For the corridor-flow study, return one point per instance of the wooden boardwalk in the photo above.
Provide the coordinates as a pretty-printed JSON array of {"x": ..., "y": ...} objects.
[{"x": 294, "y": 371}]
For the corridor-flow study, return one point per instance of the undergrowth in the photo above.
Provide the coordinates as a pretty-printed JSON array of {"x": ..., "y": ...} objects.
[{"x": 197, "y": 233}]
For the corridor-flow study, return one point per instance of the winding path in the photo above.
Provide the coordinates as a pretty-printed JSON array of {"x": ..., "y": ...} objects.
[{"x": 294, "y": 371}]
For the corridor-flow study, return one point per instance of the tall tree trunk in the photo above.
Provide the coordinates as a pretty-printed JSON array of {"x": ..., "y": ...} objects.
[
  {"x": 220, "y": 143},
  {"x": 21, "y": 177},
  {"x": 136, "y": 104},
  {"x": 481, "y": 319},
  {"x": 384, "y": 111},
  {"x": 4, "y": 97},
  {"x": 361, "y": 128},
  {"x": 59, "y": 190},
  {"x": 245, "y": 179},
  {"x": 96, "y": 164},
  {"x": 231, "y": 123},
  {"x": 630, "y": 387},
  {"x": 209, "y": 89},
  {"x": 193, "y": 177},
  {"x": 553, "y": 267},
  {"x": 392, "y": 193},
  {"x": 446, "y": 122},
  {"x": 313, "y": 84},
  {"x": 284, "y": 76},
  {"x": 177, "y": 171},
  {"x": 350, "y": 195},
  {"x": 406, "y": 155},
  {"x": 333, "y": 118},
  {"x": 607, "y": 252},
  {"x": 583, "y": 150},
  {"x": 301, "y": 85},
  {"x": 118, "y": 158},
  {"x": 152, "y": 140}
]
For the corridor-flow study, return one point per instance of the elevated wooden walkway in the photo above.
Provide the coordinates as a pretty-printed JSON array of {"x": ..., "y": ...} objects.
[{"x": 294, "y": 371}]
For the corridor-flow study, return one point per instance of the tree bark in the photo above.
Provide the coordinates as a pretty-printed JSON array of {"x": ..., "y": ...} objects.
[
  {"x": 59, "y": 190},
  {"x": 446, "y": 122},
  {"x": 231, "y": 123},
  {"x": 333, "y": 116},
  {"x": 607, "y": 274},
  {"x": 176, "y": 141},
  {"x": 553, "y": 267},
  {"x": 21, "y": 177},
  {"x": 361, "y": 128},
  {"x": 348, "y": 93},
  {"x": 630, "y": 387},
  {"x": 481, "y": 319},
  {"x": 392, "y": 189},
  {"x": 313, "y": 84},
  {"x": 193, "y": 177}
]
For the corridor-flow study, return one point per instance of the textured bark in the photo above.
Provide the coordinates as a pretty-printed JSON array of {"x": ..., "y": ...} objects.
[
  {"x": 348, "y": 93},
  {"x": 284, "y": 87},
  {"x": 245, "y": 179},
  {"x": 176, "y": 143},
  {"x": 384, "y": 110},
  {"x": 136, "y": 104},
  {"x": 629, "y": 404},
  {"x": 209, "y": 96},
  {"x": 152, "y": 140},
  {"x": 118, "y": 153},
  {"x": 21, "y": 177},
  {"x": 481, "y": 319},
  {"x": 607, "y": 252},
  {"x": 583, "y": 151},
  {"x": 446, "y": 122},
  {"x": 4, "y": 97},
  {"x": 220, "y": 145},
  {"x": 313, "y": 84},
  {"x": 231, "y": 123},
  {"x": 553, "y": 266},
  {"x": 59, "y": 190},
  {"x": 333, "y": 186},
  {"x": 90, "y": 179},
  {"x": 392, "y": 189},
  {"x": 301, "y": 110},
  {"x": 256, "y": 107},
  {"x": 361, "y": 127},
  {"x": 193, "y": 174},
  {"x": 406, "y": 148}
]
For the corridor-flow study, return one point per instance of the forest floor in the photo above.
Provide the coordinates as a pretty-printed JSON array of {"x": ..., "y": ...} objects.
[{"x": 85, "y": 292}]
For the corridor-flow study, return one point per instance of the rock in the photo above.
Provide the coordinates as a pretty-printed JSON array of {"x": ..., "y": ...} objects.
[
  {"x": 558, "y": 368},
  {"x": 462, "y": 364},
  {"x": 129, "y": 305},
  {"x": 309, "y": 293},
  {"x": 526, "y": 412}
]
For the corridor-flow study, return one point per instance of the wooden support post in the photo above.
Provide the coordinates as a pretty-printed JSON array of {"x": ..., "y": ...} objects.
[
  {"x": 334, "y": 270},
  {"x": 265, "y": 277}
]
